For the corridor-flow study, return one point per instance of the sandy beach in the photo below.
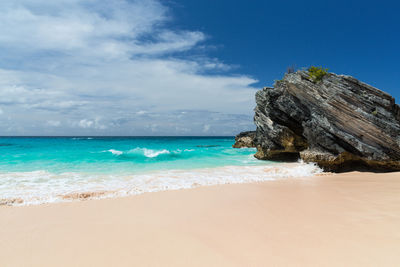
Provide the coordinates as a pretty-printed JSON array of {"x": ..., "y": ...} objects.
[{"x": 347, "y": 219}]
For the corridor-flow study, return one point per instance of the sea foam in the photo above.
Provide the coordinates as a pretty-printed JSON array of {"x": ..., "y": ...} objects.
[
  {"x": 115, "y": 152},
  {"x": 146, "y": 152},
  {"x": 27, "y": 188},
  {"x": 154, "y": 153}
]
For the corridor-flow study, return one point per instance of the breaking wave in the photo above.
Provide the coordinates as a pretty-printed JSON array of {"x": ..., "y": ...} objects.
[
  {"x": 115, "y": 152},
  {"x": 146, "y": 152},
  {"x": 37, "y": 187}
]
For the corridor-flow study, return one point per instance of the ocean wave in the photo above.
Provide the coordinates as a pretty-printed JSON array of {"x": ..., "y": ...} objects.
[
  {"x": 37, "y": 187},
  {"x": 147, "y": 153},
  {"x": 150, "y": 153},
  {"x": 115, "y": 152}
]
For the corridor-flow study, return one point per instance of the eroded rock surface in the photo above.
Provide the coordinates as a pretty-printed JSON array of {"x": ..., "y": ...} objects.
[
  {"x": 339, "y": 122},
  {"x": 245, "y": 139}
]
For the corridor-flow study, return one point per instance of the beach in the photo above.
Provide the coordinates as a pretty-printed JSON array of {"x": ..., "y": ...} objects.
[
  {"x": 349, "y": 219},
  {"x": 199, "y": 133},
  {"x": 37, "y": 170}
]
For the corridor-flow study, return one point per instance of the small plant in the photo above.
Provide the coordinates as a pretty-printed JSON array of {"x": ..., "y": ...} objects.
[
  {"x": 315, "y": 74},
  {"x": 375, "y": 112}
]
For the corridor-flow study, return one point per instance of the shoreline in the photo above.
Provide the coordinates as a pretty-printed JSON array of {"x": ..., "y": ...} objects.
[
  {"x": 348, "y": 219},
  {"x": 69, "y": 186}
]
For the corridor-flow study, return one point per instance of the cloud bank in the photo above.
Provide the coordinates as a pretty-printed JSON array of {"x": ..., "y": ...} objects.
[{"x": 92, "y": 67}]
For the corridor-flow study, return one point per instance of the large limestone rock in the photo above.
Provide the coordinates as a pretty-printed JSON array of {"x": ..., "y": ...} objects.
[{"x": 338, "y": 122}]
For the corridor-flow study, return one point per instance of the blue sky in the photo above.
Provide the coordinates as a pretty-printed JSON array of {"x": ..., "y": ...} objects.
[
  {"x": 119, "y": 67},
  {"x": 359, "y": 38}
]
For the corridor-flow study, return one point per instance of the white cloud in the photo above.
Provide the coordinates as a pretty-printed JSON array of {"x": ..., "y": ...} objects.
[
  {"x": 85, "y": 123},
  {"x": 54, "y": 123},
  {"x": 68, "y": 59},
  {"x": 141, "y": 112},
  {"x": 96, "y": 124},
  {"x": 206, "y": 128}
]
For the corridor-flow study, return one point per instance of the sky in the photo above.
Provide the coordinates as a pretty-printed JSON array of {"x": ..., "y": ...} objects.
[{"x": 176, "y": 67}]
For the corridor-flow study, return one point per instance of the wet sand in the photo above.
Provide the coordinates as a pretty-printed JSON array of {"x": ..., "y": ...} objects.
[{"x": 350, "y": 219}]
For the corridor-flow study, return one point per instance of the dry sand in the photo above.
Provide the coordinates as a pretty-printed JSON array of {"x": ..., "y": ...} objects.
[{"x": 349, "y": 219}]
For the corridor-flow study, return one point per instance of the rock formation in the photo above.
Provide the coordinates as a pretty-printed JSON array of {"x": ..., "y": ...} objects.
[
  {"x": 245, "y": 139},
  {"x": 337, "y": 122}
]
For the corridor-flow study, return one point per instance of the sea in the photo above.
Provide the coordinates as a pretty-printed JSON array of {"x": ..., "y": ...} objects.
[{"x": 38, "y": 170}]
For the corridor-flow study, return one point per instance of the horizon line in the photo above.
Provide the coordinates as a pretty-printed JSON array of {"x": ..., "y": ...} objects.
[{"x": 2, "y": 136}]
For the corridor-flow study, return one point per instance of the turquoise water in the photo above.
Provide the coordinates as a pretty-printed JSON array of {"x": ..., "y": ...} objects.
[
  {"x": 42, "y": 169},
  {"x": 119, "y": 154}
]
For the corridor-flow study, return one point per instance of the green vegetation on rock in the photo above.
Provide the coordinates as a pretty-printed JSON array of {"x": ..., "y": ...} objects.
[{"x": 316, "y": 73}]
